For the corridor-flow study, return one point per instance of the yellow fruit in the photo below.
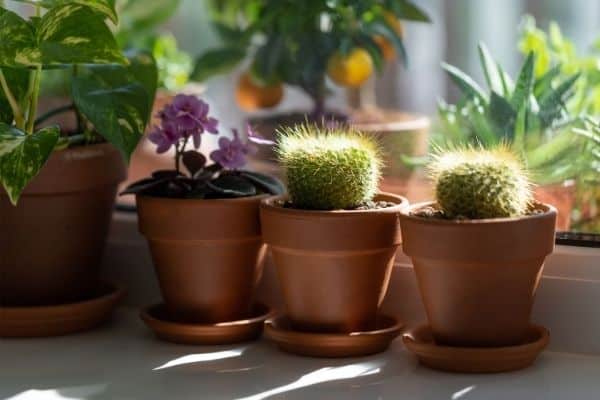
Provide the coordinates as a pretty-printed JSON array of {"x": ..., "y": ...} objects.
[
  {"x": 251, "y": 96},
  {"x": 351, "y": 70}
]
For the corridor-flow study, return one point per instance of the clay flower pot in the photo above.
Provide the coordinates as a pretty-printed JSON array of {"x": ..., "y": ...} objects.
[
  {"x": 478, "y": 278},
  {"x": 207, "y": 254},
  {"x": 333, "y": 266},
  {"x": 51, "y": 243}
]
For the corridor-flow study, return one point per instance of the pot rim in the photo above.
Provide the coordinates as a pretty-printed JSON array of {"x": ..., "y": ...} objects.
[
  {"x": 416, "y": 122},
  {"x": 269, "y": 204},
  {"x": 211, "y": 201},
  {"x": 406, "y": 213}
]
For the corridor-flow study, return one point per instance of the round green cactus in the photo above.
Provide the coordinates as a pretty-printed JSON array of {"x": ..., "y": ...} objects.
[
  {"x": 476, "y": 183},
  {"x": 328, "y": 168}
]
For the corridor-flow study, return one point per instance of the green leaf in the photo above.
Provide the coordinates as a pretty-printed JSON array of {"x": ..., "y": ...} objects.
[
  {"x": 137, "y": 17},
  {"x": 524, "y": 85},
  {"x": 465, "y": 83},
  {"x": 266, "y": 183},
  {"x": 501, "y": 113},
  {"x": 490, "y": 69},
  {"x": 231, "y": 185},
  {"x": 105, "y": 7},
  {"x": 18, "y": 46},
  {"x": 507, "y": 83},
  {"x": 141, "y": 68},
  {"x": 521, "y": 127},
  {"x": 18, "y": 82},
  {"x": 553, "y": 100},
  {"x": 119, "y": 113},
  {"x": 74, "y": 34},
  {"x": 217, "y": 61},
  {"x": 22, "y": 156},
  {"x": 409, "y": 11},
  {"x": 544, "y": 83}
]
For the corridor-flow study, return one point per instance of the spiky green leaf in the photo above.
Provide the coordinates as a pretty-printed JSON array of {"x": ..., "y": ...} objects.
[
  {"x": 490, "y": 69},
  {"x": 524, "y": 85},
  {"x": 465, "y": 83}
]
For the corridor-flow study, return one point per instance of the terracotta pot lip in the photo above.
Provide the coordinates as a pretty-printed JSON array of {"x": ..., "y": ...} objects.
[
  {"x": 417, "y": 121},
  {"x": 549, "y": 212},
  {"x": 205, "y": 201},
  {"x": 268, "y": 204}
]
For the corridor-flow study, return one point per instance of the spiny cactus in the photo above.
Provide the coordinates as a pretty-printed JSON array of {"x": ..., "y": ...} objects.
[
  {"x": 476, "y": 183},
  {"x": 328, "y": 168}
]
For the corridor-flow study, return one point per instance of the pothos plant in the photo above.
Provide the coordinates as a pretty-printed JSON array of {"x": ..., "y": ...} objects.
[
  {"x": 183, "y": 122},
  {"x": 300, "y": 42},
  {"x": 111, "y": 92}
]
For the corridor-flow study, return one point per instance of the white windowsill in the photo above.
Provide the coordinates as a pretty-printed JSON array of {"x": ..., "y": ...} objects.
[{"x": 123, "y": 360}]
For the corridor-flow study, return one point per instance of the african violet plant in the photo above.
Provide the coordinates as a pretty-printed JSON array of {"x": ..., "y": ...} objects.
[
  {"x": 111, "y": 92},
  {"x": 294, "y": 41},
  {"x": 183, "y": 122},
  {"x": 529, "y": 115}
]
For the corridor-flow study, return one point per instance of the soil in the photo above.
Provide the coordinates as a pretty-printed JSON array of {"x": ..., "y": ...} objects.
[
  {"x": 436, "y": 213},
  {"x": 369, "y": 205}
]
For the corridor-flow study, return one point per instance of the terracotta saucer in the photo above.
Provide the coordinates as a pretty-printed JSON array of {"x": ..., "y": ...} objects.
[
  {"x": 333, "y": 344},
  {"x": 205, "y": 334},
  {"x": 60, "y": 319},
  {"x": 474, "y": 359}
]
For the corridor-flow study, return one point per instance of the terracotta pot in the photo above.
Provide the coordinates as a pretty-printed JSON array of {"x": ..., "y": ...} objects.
[
  {"x": 478, "y": 278},
  {"x": 562, "y": 196},
  {"x": 52, "y": 241},
  {"x": 333, "y": 266},
  {"x": 399, "y": 133},
  {"x": 208, "y": 254}
]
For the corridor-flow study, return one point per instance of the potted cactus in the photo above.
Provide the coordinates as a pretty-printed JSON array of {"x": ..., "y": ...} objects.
[
  {"x": 201, "y": 218},
  {"x": 59, "y": 184},
  {"x": 479, "y": 249},
  {"x": 530, "y": 115},
  {"x": 334, "y": 238}
]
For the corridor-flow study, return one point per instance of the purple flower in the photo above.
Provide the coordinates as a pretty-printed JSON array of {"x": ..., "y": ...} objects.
[
  {"x": 190, "y": 114},
  {"x": 164, "y": 137},
  {"x": 232, "y": 152}
]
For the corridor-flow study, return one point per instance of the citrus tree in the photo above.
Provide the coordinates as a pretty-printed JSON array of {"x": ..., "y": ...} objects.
[{"x": 301, "y": 42}]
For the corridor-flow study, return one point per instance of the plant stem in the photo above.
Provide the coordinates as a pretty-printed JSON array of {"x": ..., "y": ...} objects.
[
  {"x": 17, "y": 113},
  {"x": 52, "y": 113},
  {"x": 77, "y": 113},
  {"x": 33, "y": 104}
]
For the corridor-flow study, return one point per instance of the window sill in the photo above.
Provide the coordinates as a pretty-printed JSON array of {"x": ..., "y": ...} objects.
[{"x": 123, "y": 360}]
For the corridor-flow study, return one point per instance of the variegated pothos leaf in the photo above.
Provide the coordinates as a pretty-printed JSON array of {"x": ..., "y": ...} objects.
[
  {"x": 105, "y": 7},
  {"x": 22, "y": 156}
]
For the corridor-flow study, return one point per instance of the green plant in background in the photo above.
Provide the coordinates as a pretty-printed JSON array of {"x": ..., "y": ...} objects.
[
  {"x": 292, "y": 41},
  {"x": 111, "y": 92},
  {"x": 528, "y": 115},
  {"x": 476, "y": 183},
  {"x": 553, "y": 50},
  {"x": 328, "y": 168},
  {"x": 139, "y": 21}
]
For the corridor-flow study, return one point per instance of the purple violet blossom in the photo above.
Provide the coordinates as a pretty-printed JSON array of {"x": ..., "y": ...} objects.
[
  {"x": 164, "y": 137},
  {"x": 186, "y": 117},
  {"x": 232, "y": 152}
]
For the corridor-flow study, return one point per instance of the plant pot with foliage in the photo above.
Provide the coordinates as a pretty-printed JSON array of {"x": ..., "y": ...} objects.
[
  {"x": 479, "y": 249},
  {"x": 59, "y": 185},
  {"x": 301, "y": 44},
  {"x": 531, "y": 116},
  {"x": 334, "y": 239},
  {"x": 202, "y": 220}
]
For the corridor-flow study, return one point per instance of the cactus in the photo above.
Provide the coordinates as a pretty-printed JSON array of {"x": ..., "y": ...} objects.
[
  {"x": 328, "y": 168},
  {"x": 476, "y": 183}
]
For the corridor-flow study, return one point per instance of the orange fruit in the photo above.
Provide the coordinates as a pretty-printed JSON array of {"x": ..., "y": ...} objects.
[
  {"x": 251, "y": 95},
  {"x": 350, "y": 70},
  {"x": 388, "y": 50}
]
